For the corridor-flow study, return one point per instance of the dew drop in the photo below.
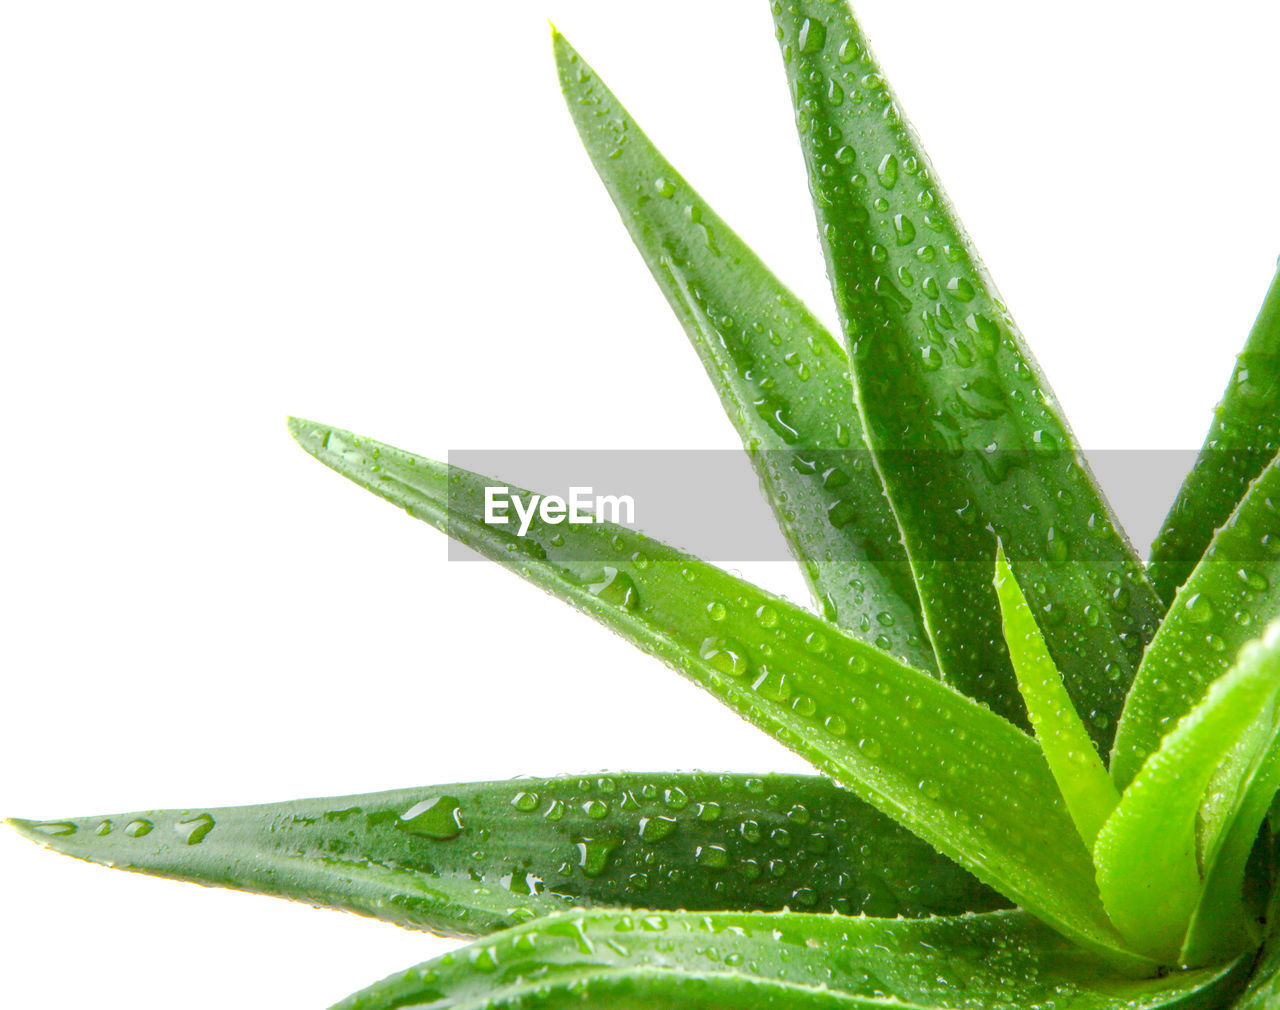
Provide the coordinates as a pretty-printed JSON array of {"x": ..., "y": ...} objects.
[
  {"x": 55, "y": 829},
  {"x": 594, "y": 853},
  {"x": 813, "y": 36},
  {"x": 767, "y": 616},
  {"x": 675, "y": 798},
  {"x": 1199, "y": 609},
  {"x": 616, "y": 587},
  {"x": 194, "y": 830},
  {"x": 1056, "y": 548},
  {"x": 887, "y": 171},
  {"x": 724, "y": 655},
  {"x": 439, "y": 818},
  {"x": 525, "y": 802},
  {"x": 655, "y": 829}
]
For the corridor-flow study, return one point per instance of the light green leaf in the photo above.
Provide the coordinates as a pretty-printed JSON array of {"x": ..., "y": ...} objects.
[
  {"x": 784, "y": 961},
  {"x": 1226, "y": 918},
  {"x": 1081, "y": 776},
  {"x": 1234, "y": 591},
  {"x": 957, "y": 775},
  {"x": 1147, "y": 854},
  {"x": 966, "y": 433},
  {"x": 1242, "y": 440},
  {"x": 782, "y": 378},
  {"x": 466, "y": 859}
]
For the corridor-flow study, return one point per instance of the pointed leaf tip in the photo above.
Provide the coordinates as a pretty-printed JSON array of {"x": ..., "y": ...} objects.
[
  {"x": 311, "y": 435},
  {"x": 782, "y": 379},
  {"x": 1078, "y": 770}
]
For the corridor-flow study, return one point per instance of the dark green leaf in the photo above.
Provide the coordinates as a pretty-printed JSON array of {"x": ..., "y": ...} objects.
[
  {"x": 782, "y": 378},
  {"x": 467, "y": 859},
  {"x": 957, "y": 775},
  {"x": 967, "y": 435},
  {"x": 1242, "y": 440},
  {"x": 722, "y": 961},
  {"x": 1263, "y": 992}
]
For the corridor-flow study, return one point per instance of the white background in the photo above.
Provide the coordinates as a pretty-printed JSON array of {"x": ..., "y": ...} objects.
[{"x": 378, "y": 215}]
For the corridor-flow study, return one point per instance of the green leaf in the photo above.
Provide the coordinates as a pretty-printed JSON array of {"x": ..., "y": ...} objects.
[
  {"x": 957, "y": 775},
  {"x": 1148, "y": 853},
  {"x": 1263, "y": 992},
  {"x": 1226, "y": 918},
  {"x": 1081, "y": 776},
  {"x": 1242, "y": 440},
  {"x": 781, "y": 961},
  {"x": 782, "y": 378},
  {"x": 966, "y": 433},
  {"x": 466, "y": 859},
  {"x": 1234, "y": 591}
]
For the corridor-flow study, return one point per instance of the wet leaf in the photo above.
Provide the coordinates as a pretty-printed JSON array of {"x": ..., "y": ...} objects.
[
  {"x": 720, "y": 961},
  {"x": 957, "y": 775},
  {"x": 466, "y": 859},
  {"x": 1081, "y": 776},
  {"x": 966, "y": 433},
  {"x": 1242, "y": 440},
  {"x": 782, "y": 378}
]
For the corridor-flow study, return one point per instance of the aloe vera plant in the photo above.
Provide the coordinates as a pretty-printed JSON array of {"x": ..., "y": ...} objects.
[{"x": 1046, "y": 769}]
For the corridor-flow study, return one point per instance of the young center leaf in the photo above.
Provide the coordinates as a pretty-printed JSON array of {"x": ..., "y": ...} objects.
[
  {"x": 966, "y": 433},
  {"x": 783, "y": 379},
  {"x": 467, "y": 859},
  {"x": 1148, "y": 854},
  {"x": 1081, "y": 776},
  {"x": 957, "y": 775},
  {"x": 781, "y": 961},
  {"x": 1227, "y": 916},
  {"x": 1242, "y": 440}
]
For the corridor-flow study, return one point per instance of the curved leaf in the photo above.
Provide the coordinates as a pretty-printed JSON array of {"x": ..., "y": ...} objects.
[
  {"x": 782, "y": 378},
  {"x": 1234, "y": 591},
  {"x": 957, "y": 775},
  {"x": 1243, "y": 438},
  {"x": 1149, "y": 863},
  {"x": 967, "y": 435},
  {"x": 1081, "y": 776},
  {"x": 1263, "y": 991},
  {"x": 1225, "y": 919},
  {"x": 466, "y": 859},
  {"x": 786, "y": 961}
]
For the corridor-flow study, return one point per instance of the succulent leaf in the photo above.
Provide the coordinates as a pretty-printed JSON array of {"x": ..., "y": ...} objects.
[
  {"x": 966, "y": 433},
  {"x": 951, "y": 771},
  {"x": 1263, "y": 990},
  {"x": 1149, "y": 857},
  {"x": 781, "y": 961},
  {"x": 1233, "y": 592},
  {"x": 1226, "y": 918},
  {"x": 1243, "y": 439},
  {"x": 1082, "y": 778},
  {"x": 467, "y": 859},
  {"x": 783, "y": 379}
]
